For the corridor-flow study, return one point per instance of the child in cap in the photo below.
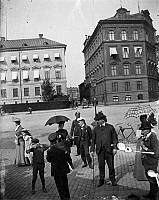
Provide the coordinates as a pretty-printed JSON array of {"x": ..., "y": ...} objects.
[{"x": 38, "y": 162}]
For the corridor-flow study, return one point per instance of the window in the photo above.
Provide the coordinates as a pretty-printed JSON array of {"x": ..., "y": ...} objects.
[
  {"x": 127, "y": 98},
  {"x": 115, "y": 98},
  {"x": 2, "y": 59},
  {"x": 125, "y": 52},
  {"x": 3, "y": 93},
  {"x": 111, "y": 35},
  {"x": 58, "y": 89},
  {"x": 13, "y": 59},
  {"x": 35, "y": 57},
  {"x": 123, "y": 35},
  {"x": 140, "y": 96},
  {"x": 139, "y": 85},
  {"x": 15, "y": 92},
  {"x": 58, "y": 74},
  {"x": 126, "y": 70},
  {"x": 3, "y": 76},
  {"x": 113, "y": 70},
  {"x": 113, "y": 51},
  {"x": 47, "y": 74},
  {"x": 138, "y": 51},
  {"x": 37, "y": 91},
  {"x": 127, "y": 86},
  {"x": 24, "y": 57},
  {"x": 114, "y": 86},
  {"x": 138, "y": 69},
  {"x": 25, "y": 75},
  {"x": 14, "y": 76},
  {"x": 26, "y": 92},
  {"x": 135, "y": 35},
  {"x": 56, "y": 55},
  {"x": 46, "y": 57},
  {"x": 36, "y": 75}
]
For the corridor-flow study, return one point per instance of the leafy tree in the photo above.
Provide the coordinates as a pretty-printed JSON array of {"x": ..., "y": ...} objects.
[{"x": 48, "y": 90}]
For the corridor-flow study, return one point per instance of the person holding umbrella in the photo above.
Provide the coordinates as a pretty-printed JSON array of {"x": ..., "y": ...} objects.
[
  {"x": 75, "y": 133},
  {"x": 56, "y": 155}
]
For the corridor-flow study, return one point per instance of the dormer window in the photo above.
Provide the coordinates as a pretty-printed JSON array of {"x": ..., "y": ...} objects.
[
  {"x": 24, "y": 45},
  {"x": 24, "y": 57},
  {"x": 35, "y": 57},
  {"x": 13, "y": 59},
  {"x": 56, "y": 55},
  {"x": 46, "y": 57}
]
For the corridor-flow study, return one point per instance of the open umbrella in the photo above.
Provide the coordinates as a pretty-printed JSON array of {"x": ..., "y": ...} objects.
[
  {"x": 139, "y": 110},
  {"x": 56, "y": 119}
]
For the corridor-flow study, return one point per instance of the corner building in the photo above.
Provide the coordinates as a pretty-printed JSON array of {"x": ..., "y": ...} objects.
[
  {"x": 25, "y": 64},
  {"x": 120, "y": 57}
]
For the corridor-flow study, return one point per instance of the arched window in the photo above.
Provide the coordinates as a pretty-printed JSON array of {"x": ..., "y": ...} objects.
[{"x": 123, "y": 35}]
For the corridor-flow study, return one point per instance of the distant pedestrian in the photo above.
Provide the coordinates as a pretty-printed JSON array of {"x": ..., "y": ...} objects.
[
  {"x": 30, "y": 110},
  {"x": 59, "y": 166},
  {"x": 75, "y": 132},
  {"x": 20, "y": 144},
  {"x": 38, "y": 162},
  {"x": 85, "y": 142},
  {"x": 105, "y": 141}
]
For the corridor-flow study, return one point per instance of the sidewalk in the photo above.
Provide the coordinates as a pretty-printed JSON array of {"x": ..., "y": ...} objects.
[{"x": 18, "y": 180}]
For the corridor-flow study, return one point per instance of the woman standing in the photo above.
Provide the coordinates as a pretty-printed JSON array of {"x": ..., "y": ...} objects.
[{"x": 19, "y": 141}]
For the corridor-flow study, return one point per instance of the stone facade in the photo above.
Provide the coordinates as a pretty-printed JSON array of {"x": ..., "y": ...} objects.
[
  {"x": 25, "y": 64},
  {"x": 120, "y": 56}
]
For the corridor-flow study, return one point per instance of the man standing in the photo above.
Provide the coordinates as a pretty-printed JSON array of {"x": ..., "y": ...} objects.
[
  {"x": 85, "y": 141},
  {"x": 75, "y": 133},
  {"x": 150, "y": 161},
  {"x": 105, "y": 139}
]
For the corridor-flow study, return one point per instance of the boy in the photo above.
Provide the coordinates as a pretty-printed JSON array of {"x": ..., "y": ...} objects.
[{"x": 38, "y": 162}]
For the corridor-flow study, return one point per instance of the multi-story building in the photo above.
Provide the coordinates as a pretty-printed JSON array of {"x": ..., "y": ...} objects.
[
  {"x": 73, "y": 92},
  {"x": 120, "y": 58},
  {"x": 25, "y": 64}
]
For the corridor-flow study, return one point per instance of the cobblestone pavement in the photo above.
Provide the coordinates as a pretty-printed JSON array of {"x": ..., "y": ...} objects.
[{"x": 18, "y": 180}]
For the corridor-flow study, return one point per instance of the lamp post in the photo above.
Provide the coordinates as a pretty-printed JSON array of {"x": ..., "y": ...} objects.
[{"x": 93, "y": 86}]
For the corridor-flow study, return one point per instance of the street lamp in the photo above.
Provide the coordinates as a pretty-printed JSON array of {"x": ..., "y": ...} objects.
[{"x": 93, "y": 86}]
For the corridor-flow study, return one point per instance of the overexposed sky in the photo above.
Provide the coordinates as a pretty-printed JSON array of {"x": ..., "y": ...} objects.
[{"x": 66, "y": 21}]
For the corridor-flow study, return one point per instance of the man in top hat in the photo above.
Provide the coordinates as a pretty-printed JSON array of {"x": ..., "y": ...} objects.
[
  {"x": 150, "y": 161},
  {"x": 75, "y": 132},
  {"x": 85, "y": 136},
  {"x": 105, "y": 140}
]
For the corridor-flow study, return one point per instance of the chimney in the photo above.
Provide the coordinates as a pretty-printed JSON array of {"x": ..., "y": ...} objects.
[
  {"x": 40, "y": 35},
  {"x": 2, "y": 38}
]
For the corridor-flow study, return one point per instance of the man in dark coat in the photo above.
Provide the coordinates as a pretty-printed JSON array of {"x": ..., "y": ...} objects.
[
  {"x": 75, "y": 133},
  {"x": 105, "y": 140},
  {"x": 85, "y": 138},
  {"x": 150, "y": 161},
  {"x": 59, "y": 167}
]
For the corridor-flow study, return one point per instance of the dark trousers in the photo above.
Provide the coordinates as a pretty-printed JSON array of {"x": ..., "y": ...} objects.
[
  {"x": 36, "y": 169},
  {"x": 62, "y": 187},
  {"x": 152, "y": 181},
  {"x": 77, "y": 143},
  {"x": 109, "y": 157},
  {"x": 84, "y": 150}
]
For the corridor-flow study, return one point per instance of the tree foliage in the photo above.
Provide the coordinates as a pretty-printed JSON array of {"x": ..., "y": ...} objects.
[{"x": 48, "y": 90}]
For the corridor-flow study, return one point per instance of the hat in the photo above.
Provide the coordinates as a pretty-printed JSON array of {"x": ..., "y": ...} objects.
[
  {"x": 100, "y": 116},
  {"x": 35, "y": 140},
  {"x": 77, "y": 113},
  {"x": 15, "y": 119},
  {"x": 145, "y": 126},
  {"x": 81, "y": 119},
  {"x": 25, "y": 130},
  {"x": 52, "y": 136}
]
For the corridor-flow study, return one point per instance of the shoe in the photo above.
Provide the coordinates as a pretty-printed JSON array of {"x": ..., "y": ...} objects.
[
  {"x": 33, "y": 191},
  {"x": 85, "y": 165},
  {"x": 44, "y": 190},
  {"x": 101, "y": 182},
  {"x": 114, "y": 183}
]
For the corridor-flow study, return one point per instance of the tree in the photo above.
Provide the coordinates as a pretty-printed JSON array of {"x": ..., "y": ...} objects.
[{"x": 48, "y": 90}]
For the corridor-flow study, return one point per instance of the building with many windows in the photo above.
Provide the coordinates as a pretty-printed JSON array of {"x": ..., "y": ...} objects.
[
  {"x": 25, "y": 64},
  {"x": 120, "y": 58}
]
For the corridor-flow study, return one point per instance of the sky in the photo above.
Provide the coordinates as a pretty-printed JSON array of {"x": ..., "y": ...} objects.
[{"x": 67, "y": 22}]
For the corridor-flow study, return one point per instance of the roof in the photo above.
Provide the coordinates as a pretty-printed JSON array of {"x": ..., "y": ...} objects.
[{"x": 29, "y": 43}]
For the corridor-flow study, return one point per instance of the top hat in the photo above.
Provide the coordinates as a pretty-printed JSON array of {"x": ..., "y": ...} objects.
[
  {"x": 146, "y": 126},
  {"x": 100, "y": 116}
]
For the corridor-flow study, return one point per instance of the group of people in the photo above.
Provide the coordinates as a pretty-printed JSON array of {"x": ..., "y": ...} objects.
[{"x": 102, "y": 140}]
